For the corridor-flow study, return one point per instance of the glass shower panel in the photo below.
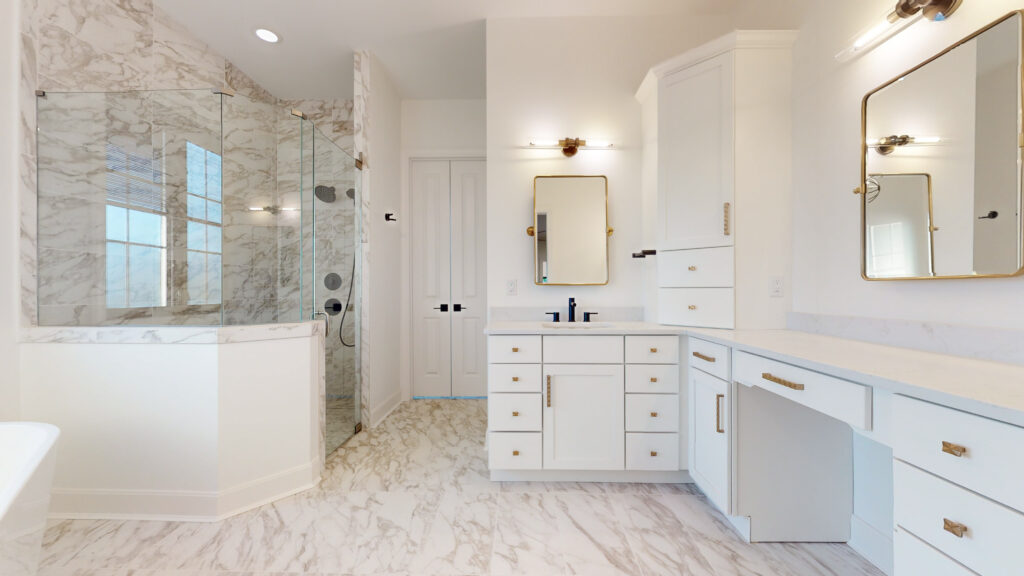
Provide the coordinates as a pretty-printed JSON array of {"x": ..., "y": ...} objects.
[
  {"x": 334, "y": 283},
  {"x": 128, "y": 199}
]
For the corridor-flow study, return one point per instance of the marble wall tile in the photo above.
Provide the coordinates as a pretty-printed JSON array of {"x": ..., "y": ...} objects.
[
  {"x": 242, "y": 84},
  {"x": 180, "y": 59}
]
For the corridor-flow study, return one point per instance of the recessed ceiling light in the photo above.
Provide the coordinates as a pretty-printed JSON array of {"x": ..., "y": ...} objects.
[{"x": 266, "y": 35}]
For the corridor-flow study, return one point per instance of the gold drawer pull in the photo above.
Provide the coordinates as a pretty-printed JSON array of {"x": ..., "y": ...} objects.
[
  {"x": 955, "y": 528},
  {"x": 654, "y": 380},
  {"x": 515, "y": 349},
  {"x": 549, "y": 390},
  {"x": 691, "y": 307},
  {"x": 515, "y": 378},
  {"x": 725, "y": 219},
  {"x": 954, "y": 449},
  {"x": 703, "y": 357},
  {"x": 718, "y": 413},
  {"x": 514, "y": 413},
  {"x": 692, "y": 268},
  {"x": 654, "y": 350},
  {"x": 654, "y": 454},
  {"x": 515, "y": 452},
  {"x": 654, "y": 414},
  {"x": 791, "y": 385}
]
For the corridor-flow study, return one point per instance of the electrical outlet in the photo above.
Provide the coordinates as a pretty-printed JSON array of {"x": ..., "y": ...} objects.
[
  {"x": 777, "y": 285},
  {"x": 511, "y": 287}
]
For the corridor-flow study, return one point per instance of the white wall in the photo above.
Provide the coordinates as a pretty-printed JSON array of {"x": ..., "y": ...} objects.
[
  {"x": 9, "y": 57},
  {"x": 561, "y": 77},
  {"x": 384, "y": 134},
  {"x": 826, "y": 168},
  {"x": 432, "y": 129}
]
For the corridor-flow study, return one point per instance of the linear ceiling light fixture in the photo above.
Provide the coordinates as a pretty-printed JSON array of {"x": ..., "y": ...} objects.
[{"x": 904, "y": 14}]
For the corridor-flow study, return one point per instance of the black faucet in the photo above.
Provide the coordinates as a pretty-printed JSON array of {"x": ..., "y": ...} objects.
[{"x": 572, "y": 309}]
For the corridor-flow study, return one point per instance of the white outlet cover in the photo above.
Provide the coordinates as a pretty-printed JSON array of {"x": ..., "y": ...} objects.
[{"x": 511, "y": 287}]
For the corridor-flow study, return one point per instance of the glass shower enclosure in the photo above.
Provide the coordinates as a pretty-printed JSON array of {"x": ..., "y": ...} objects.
[{"x": 196, "y": 207}]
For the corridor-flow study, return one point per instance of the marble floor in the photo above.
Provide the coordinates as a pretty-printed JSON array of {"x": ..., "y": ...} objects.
[{"x": 411, "y": 497}]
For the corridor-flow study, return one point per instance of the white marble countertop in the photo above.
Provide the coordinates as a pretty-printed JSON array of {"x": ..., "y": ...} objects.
[
  {"x": 982, "y": 387},
  {"x": 601, "y": 329},
  {"x": 168, "y": 334}
]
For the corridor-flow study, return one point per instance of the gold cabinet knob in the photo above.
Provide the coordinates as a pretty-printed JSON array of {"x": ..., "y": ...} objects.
[
  {"x": 515, "y": 452},
  {"x": 654, "y": 350},
  {"x": 515, "y": 349},
  {"x": 654, "y": 414},
  {"x": 654, "y": 454},
  {"x": 955, "y": 528},
  {"x": 692, "y": 268},
  {"x": 954, "y": 449},
  {"x": 514, "y": 413},
  {"x": 515, "y": 378},
  {"x": 691, "y": 307},
  {"x": 654, "y": 379}
]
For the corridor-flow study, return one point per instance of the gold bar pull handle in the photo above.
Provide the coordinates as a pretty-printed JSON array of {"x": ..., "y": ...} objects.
[
  {"x": 515, "y": 349},
  {"x": 654, "y": 380},
  {"x": 781, "y": 381},
  {"x": 954, "y": 449},
  {"x": 955, "y": 528},
  {"x": 515, "y": 378},
  {"x": 654, "y": 414},
  {"x": 692, "y": 268},
  {"x": 654, "y": 350},
  {"x": 726, "y": 208},
  {"x": 691, "y": 307},
  {"x": 514, "y": 413},
  {"x": 654, "y": 454},
  {"x": 704, "y": 357},
  {"x": 515, "y": 452},
  {"x": 549, "y": 390},
  {"x": 718, "y": 413}
]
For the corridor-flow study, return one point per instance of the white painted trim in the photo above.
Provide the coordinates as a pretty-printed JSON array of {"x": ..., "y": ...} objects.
[
  {"x": 872, "y": 543},
  {"x": 738, "y": 39},
  {"x": 384, "y": 409},
  {"x": 641, "y": 476},
  {"x": 180, "y": 505}
]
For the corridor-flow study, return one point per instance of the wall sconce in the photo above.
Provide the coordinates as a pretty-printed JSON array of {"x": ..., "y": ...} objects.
[
  {"x": 570, "y": 146},
  {"x": 904, "y": 14},
  {"x": 887, "y": 144}
]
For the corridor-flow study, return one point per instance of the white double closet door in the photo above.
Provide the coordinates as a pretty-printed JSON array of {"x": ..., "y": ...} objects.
[{"x": 449, "y": 292}]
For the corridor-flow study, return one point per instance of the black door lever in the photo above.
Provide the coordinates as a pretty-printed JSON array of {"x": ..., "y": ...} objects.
[
  {"x": 442, "y": 307},
  {"x": 992, "y": 215}
]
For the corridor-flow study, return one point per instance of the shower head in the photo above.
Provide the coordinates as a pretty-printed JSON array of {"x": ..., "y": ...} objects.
[
  {"x": 351, "y": 193},
  {"x": 325, "y": 193}
]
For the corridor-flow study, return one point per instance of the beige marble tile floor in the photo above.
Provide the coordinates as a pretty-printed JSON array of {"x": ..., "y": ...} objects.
[{"x": 412, "y": 497}]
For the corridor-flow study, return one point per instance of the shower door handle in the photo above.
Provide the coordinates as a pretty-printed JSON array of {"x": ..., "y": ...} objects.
[{"x": 327, "y": 322}]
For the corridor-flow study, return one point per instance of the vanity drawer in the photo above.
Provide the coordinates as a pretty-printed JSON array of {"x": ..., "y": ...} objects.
[
  {"x": 840, "y": 399},
  {"x": 911, "y": 556},
  {"x": 514, "y": 412},
  {"x": 514, "y": 451},
  {"x": 710, "y": 357},
  {"x": 652, "y": 413},
  {"x": 992, "y": 463},
  {"x": 652, "y": 451},
  {"x": 699, "y": 307},
  {"x": 583, "y": 349},
  {"x": 514, "y": 378},
  {"x": 652, "y": 349},
  {"x": 700, "y": 268},
  {"x": 926, "y": 505},
  {"x": 652, "y": 378},
  {"x": 513, "y": 349}
]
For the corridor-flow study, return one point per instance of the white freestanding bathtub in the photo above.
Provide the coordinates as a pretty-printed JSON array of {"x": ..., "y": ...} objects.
[{"x": 27, "y": 455}]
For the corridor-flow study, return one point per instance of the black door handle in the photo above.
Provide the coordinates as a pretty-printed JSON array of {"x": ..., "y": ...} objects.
[
  {"x": 442, "y": 308},
  {"x": 992, "y": 215},
  {"x": 458, "y": 307}
]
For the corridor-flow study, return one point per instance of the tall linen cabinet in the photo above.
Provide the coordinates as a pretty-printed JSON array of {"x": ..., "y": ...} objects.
[{"x": 716, "y": 182}]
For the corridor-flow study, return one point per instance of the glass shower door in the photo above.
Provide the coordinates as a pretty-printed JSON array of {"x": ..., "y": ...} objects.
[{"x": 333, "y": 199}]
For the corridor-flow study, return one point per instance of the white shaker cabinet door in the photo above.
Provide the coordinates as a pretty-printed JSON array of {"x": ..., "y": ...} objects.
[
  {"x": 710, "y": 443},
  {"x": 584, "y": 417}
]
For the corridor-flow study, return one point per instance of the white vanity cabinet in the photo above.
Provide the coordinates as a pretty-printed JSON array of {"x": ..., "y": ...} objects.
[
  {"x": 716, "y": 180},
  {"x": 710, "y": 450},
  {"x": 596, "y": 406}
]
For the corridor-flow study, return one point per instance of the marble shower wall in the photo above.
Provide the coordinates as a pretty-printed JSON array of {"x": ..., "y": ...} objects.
[{"x": 361, "y": 148}]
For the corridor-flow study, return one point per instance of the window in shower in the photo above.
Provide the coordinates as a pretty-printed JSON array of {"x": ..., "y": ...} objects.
[
  {"x": 136, "y": 231},
  {"x": 205, "y": 212}
]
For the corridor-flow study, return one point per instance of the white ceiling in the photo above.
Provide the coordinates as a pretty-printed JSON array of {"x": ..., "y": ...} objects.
[{"x": 431, "y": 48}]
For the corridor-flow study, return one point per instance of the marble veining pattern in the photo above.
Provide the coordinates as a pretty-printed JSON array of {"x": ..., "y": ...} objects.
[{"x": 412, "y": 497}]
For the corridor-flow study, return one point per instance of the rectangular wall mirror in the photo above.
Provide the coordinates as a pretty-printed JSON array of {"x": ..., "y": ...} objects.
[
  {"x": 570, "y": 230},
  {"x": 941, "y": 165}
]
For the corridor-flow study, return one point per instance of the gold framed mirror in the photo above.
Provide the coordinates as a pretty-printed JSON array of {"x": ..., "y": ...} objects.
[
  {"x": 570, "y": 230},
  {"x": 941, "y": 163}
]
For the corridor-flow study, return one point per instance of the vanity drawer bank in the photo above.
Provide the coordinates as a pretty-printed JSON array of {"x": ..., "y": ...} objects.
[
  {"x": 771, "y": 439},
  {"x": 598, "y": 403}
]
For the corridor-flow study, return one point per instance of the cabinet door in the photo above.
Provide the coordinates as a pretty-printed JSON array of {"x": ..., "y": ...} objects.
[
  {"x": 695, "y": 147},
  {"x": 709, "y": 413},
  {"x": 584, "y": 417}
]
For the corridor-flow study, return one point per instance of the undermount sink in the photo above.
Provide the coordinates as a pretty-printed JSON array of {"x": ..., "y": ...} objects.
[{"x": 578, "y": 324}]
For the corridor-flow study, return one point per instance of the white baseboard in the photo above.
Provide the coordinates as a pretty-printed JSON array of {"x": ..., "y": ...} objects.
[
  {"x": 873, "y": 544},
  {"x": 641, "y": 476},
  {"x": 180, "y": 505}
]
